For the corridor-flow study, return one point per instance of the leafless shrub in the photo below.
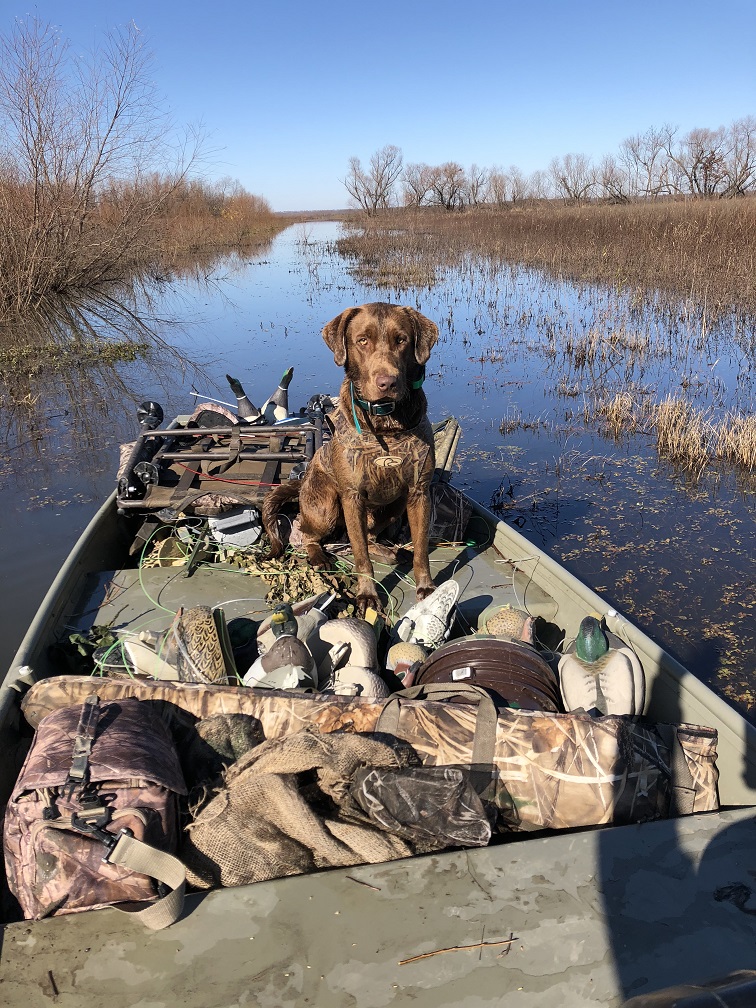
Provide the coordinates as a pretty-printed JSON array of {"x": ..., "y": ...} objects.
[{"x": 94, "y": 180}]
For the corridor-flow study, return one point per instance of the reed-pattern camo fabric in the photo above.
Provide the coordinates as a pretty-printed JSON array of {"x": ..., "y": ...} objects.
[
  {"x": 550, "y": 770},
  {"x": 132, "y": 768}
]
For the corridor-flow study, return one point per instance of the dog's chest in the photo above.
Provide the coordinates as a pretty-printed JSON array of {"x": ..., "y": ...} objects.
[{"x": 383, "y": 467}]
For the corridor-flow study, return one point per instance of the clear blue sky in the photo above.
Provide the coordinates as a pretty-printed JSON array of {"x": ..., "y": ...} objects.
[{"x": 288, "y": 90}]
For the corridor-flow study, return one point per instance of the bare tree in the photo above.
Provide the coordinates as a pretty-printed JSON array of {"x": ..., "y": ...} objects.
[
  {"x": 612, "y": 180},
  {"x": 416, "y": 184},
  {"x": 538, "y": 186},
  {"x": 645, "y": 161},
  {"x": 373, "y": 190},
  {"x": 740, "y": 160},
  {"x": 497, "y": 187},
  {"x": 447, "y": 187},
  {"x": 699, "y": 162},
  {"x": 518, "y": 184},
  {"x": 75, "y": 128},
  {"x": 475, "y": 187},
  {"x": 573, "y": 177}
]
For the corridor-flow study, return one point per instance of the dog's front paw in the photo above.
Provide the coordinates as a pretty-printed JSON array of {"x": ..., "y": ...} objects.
[
  {"x": 367, "y": 598},
  {"x": 317, "y": 557},
  {"x": 422, "y": 591}
]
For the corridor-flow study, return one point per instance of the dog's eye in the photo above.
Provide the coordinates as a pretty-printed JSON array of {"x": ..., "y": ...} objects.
[
  {"x": 400, "y": 340},
  {"x": 362, "y": 341}
]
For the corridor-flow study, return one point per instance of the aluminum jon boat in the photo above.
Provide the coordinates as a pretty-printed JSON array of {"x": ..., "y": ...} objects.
[{"x": 572, "y": 917}]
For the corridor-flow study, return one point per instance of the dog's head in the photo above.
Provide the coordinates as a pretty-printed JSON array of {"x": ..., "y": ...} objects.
[{"x": 382, "y": 347}]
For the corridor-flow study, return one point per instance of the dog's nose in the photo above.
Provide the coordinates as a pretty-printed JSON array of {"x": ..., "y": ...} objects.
[{"x": 385, "y": 382}]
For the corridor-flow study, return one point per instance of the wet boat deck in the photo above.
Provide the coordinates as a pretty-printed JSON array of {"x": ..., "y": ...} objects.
[{"x": 594, "y": 918}]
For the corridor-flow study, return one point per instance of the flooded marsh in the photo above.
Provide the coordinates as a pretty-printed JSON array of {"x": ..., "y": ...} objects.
[{"x": 614, "y": 429}]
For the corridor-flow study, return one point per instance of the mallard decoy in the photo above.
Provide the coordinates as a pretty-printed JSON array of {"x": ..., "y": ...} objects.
[
  {"x": 286, "y": 665},
  {"x": 599, "y": 672},
  {"x": 276, "y": 408},
  {"x": 246, "y": 408},
  {"x": 283, "y": 621}
]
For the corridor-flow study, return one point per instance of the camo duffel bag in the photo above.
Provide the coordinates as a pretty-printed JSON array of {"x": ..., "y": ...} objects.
[
  {"x": 542, "y": 769},
  {"x": 93, "y": 817}
]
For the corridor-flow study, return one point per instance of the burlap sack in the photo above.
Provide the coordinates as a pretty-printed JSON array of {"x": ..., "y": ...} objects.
[{"x": 262, "y": 823}]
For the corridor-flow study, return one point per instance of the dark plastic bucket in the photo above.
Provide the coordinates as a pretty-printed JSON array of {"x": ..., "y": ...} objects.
[{"x": 514, "y": 674}]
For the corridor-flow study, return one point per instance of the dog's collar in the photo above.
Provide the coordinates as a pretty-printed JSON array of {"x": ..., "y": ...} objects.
[
  {"x": 373, "y": 408},
  {"x": 378, "y": 408}
]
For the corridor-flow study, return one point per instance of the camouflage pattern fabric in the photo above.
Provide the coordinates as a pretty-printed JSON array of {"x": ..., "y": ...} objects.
[
  {"x": 551, "y": 770},
  {"x": 133, "y": 771}
]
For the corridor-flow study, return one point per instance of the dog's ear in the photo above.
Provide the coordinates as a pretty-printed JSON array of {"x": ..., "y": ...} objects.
[
  {"x": 426, "y": 334},
  {"x": 334, "y": 333}
]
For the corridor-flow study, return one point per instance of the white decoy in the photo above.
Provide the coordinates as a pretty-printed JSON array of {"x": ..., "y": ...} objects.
[
  {"x": 428, "y": 622},
  {"x": 351, "y": 665}
]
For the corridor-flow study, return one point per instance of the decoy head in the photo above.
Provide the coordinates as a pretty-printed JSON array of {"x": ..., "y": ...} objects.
[
  {"x": 591, "y": 643},
  {"x": 283, "y": 620}
]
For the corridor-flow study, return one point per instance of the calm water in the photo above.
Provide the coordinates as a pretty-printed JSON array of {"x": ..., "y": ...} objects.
[{"x": 511, "y": 363}]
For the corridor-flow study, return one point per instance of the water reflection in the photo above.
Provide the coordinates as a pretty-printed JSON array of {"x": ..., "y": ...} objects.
[{"x": 521, "y": 360}]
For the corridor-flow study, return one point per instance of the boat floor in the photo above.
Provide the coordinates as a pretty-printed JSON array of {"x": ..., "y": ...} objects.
[
  {"x": 587, "y": 918},
  {"x": 146, "y": 599}
]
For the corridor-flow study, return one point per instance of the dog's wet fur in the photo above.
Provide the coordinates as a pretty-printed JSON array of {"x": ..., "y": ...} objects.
[{"x": 374, "y": 467}]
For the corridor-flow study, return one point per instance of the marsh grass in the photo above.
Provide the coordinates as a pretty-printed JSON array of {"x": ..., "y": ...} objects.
[
  {"x": 690, "y": 438},
  {"x": 704, "y": 250}
]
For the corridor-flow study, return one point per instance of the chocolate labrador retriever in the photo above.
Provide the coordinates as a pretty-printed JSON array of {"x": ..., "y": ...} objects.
[{"x": 380, "y": 460}]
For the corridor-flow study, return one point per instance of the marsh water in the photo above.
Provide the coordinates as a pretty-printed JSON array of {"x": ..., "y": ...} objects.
[{"x": 520, "y": 360}]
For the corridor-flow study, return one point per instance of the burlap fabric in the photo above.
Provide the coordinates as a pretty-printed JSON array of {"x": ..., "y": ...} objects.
[{"x": 264, "y": 821}]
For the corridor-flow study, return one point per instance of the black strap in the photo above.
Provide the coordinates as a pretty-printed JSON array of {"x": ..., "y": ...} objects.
[
  {"x": 182, "y": 487},
  {"x": 78, "y": 773}
]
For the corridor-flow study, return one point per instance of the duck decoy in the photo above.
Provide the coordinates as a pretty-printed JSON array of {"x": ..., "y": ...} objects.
[
  {"x": 351, "y": 665},
  {"x": 507, "y": 623},
  {"x": 428, "y": 622},
  {"x": 599, "y": 672},
  {"x": 286, "y": 665},
  {"x": 283, "y": 621},
  {"x": 276, "y": 408},
  {"x": 246, "y": 408}
]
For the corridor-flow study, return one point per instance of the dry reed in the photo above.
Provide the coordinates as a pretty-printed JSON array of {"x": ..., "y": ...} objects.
[
  {"x": 690, "y": 438},
  {"x": 704, "y": 250}
]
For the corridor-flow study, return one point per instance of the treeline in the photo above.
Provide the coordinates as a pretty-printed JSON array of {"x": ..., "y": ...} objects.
[
  {"x": 95, "y": 181},
  {"x": 658, "y": 164}
]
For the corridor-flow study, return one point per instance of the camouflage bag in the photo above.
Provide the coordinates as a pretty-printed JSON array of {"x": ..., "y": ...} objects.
[
  {"x": 558, "y": 771},
  {"x": 93, "y": 817},
  {"x": 543, "y": 769}
]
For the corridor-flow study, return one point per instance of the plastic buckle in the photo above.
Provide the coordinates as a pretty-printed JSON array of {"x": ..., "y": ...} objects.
[
  {"x": 92, "y": 821},
  {"x": 113, "y": 841}
]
